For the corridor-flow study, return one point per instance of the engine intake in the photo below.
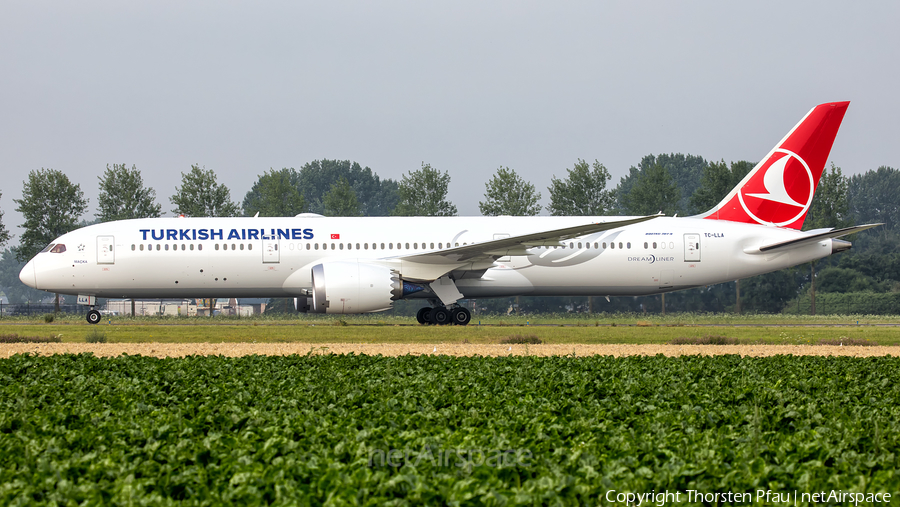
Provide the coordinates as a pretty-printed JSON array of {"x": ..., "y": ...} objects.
[{"x": 356, "y": 287}]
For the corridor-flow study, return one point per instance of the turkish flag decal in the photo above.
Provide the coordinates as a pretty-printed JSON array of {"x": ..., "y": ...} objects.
[{"x": 335, "y": 236}]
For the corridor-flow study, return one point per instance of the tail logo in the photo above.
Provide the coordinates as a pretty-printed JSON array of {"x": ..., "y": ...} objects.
[{"x": 781, "y": 192}]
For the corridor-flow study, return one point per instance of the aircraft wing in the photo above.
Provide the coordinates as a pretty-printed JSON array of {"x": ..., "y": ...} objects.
[
  {"x": 814, "y": 238},
  {"x": 432, "y": 265}
]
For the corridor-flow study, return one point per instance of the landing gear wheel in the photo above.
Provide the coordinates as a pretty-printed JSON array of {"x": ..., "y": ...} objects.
[
  {"x": 423, "y": 314},
  {"x": 460, "y": 316},
  {"x": 440, "y": 316},
  {"x": 93, "y": 317}
]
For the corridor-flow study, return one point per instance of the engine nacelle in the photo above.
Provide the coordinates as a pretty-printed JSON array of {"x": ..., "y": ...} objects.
[{"x": 354, "y": 287}]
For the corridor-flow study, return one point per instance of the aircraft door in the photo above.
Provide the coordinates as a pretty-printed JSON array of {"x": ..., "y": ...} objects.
[
  {"x": 691, "y": 248},
  {"x": 105, "y": 250},
  {"x": 271, "y": 251}
]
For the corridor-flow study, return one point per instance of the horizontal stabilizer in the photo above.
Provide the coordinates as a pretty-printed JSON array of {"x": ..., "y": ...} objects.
[{"x": 814, "y": 238}]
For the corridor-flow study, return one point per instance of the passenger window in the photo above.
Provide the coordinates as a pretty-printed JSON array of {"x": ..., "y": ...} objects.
[
  {"x": 620, "y": 245},
  {"x": 192, "y": 247},
  {"x": 357, "y": 246},
  {"x": 167, "y": 247},
  {"x": 628, "y": 245},
  {"x": 242, "y": 246},
  {"x": 142, "y": 247},
  {"x": 200, "y": 246},
  {"x": 250, "y": 246},
  {"x": 157, "y": 247},
  {"x": 184, "y": 247},
  {"x": 407, "y": 246},
  {"x": 217, "y": 246},
  {"x": 234, "y": 247},
  {"x": 317, "y": 246},
  {"x": 671, "y": 245},
  {"x": 341, "y": 245}
]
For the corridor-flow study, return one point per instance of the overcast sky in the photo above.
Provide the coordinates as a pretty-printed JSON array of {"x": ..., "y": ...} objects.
[{"x": 241, "y": 87}]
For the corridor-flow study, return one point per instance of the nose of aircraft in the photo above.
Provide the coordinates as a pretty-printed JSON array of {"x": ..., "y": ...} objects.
[{"x": 27, "y": 275}]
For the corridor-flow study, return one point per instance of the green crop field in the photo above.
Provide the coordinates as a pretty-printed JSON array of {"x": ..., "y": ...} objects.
[{"x": 369, "y": 430}]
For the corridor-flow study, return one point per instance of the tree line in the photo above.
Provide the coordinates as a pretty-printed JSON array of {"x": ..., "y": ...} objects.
[{"x": 670, "y": 183}]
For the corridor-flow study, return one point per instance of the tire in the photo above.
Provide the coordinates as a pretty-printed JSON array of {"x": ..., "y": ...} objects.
[
  {"x": 440, "y": 316},
  {"x": 460, "y": 316},
  {"x": 423, "y": 314},
  {"x": 93, "y": 317}
]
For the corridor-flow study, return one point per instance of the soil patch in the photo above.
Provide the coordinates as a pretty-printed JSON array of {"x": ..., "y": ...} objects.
[{"x": 452, "y": 349}]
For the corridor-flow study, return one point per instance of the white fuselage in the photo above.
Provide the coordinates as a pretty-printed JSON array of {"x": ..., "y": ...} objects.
[{"x": 273, "y": 257}]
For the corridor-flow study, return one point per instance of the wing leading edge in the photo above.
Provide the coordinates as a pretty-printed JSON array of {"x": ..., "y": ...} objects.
[{"x": 432, "y": 265}]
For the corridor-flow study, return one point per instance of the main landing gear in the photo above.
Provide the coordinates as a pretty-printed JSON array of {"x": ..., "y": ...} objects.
[
  {"x": 446, "y": 293},
  {"x": 440, "y": 315},
  {"x": 93, "y": 317}
]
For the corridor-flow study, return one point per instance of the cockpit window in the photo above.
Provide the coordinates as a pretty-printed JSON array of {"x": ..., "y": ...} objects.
[
  {"x": 48, "y": 247},
  {"x": 60, "y": 248}
]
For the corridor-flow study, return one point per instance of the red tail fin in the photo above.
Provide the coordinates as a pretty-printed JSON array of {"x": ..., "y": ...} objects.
[{"x": 779, "y": 190}]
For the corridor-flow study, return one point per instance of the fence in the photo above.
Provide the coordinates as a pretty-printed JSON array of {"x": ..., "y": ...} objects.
[
  {"x": 141, "y": 308},
  {"x": 848, "y": 303},
  {"x": 8, "y": 310}
]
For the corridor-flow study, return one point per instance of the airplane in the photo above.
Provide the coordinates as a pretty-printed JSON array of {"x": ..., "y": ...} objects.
[{"x": 338, "y": 265}]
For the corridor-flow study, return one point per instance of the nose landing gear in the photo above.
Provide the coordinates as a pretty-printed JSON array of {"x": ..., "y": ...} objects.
[
  {"x": 93, "y": 317},
  {"x": 441, "y": 315}
]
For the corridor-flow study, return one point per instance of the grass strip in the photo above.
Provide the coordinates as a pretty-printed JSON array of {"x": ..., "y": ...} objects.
[{"x": 260, "y": 333}]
